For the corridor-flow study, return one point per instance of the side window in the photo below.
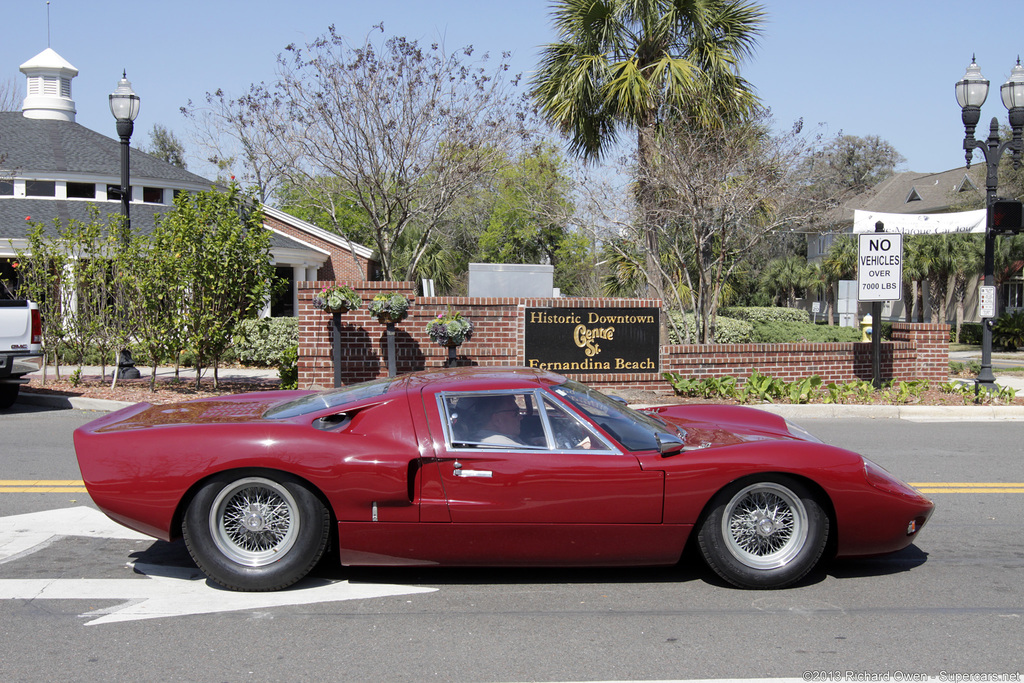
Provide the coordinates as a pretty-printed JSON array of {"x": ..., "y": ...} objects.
[
  {"x": 492, "y": 420},
  {"x": 568, "y": 432},
  {"x": 513, "y": 421}
]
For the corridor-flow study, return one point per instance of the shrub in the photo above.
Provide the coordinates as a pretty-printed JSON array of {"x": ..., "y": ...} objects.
[
  {"x": 727, "y": 330},
  {"x": 289, "y": 369},
  {"x": 265, "y": 341},
  {"x": 762, "y": 314},
  {"x": 788, "y": 332},
  {"x": 970, "y": 333},
  {"x": 1009, "y": 330}
]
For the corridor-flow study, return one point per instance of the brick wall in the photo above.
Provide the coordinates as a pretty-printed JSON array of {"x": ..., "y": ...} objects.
[{"x": 918, "y": 351}]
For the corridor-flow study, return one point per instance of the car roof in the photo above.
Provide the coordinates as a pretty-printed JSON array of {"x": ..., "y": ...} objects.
[{"x": 481, "y": 379}]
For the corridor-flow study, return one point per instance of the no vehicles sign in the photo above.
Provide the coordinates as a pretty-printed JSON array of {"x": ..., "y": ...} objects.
[{"x": 880, "y": 267}]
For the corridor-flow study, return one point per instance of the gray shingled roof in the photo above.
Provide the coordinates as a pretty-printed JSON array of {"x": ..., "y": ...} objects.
[
  {"x": 916, "y": 193},
  {"x": 44, "y": 146},
  {"x": 14, "y": 211}
]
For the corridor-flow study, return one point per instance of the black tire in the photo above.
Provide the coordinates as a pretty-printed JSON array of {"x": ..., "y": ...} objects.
[
  {"x": 256, "y": 532},
  {"x": 8, "y": 395},
  {"x": 763, "y": 533}
]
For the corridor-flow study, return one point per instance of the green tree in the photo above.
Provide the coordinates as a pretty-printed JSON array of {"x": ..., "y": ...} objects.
[
  {"x": 163, "y": 144},
  {"x": 224, "y": 266},
  {"x": 155, "y": 291},
  {"x": 530, "y": 215},
  {"x": 914, "y": 270},
  {"x": 967, "y": 256},
  {"x": 784, "y": 277},
  {"x": 67, "y": 270},
  {"x": 40, "y": 269},
  {"x": 623, "y": 63}
]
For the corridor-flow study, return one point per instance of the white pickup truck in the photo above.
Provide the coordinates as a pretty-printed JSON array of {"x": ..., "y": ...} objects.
[{"x": 21, "y": 346}]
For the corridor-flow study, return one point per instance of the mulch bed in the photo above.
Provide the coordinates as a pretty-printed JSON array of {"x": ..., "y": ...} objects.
[{"x": 136, "y": 390}]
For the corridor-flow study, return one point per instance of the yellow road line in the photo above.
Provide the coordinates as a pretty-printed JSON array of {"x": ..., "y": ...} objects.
[
  {"x": 42, "y": 486},
  {"x": 968, "y": 487}
]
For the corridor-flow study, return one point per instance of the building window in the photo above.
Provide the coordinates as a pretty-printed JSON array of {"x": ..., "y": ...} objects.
[
  {"x": 114, "y": 193},
  {"x": 6, "y": 188},
  {"x": 81, "y": 190},
  {"x": 153, "y": 195},
  {"x": 40, "y": 188},
  {"x": 1012, "y": 295}
]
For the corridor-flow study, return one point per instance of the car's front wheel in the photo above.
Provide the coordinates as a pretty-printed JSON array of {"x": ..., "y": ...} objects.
[
  {"x": 256, "y": 533},
  {"x": 766, "y": 533}
]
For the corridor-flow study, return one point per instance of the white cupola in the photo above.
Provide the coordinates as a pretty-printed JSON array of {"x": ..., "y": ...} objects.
[{"x": 49, "y": 87}]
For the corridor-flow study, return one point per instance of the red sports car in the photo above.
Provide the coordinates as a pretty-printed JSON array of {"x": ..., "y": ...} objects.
[{"x": 487, "y": 467}]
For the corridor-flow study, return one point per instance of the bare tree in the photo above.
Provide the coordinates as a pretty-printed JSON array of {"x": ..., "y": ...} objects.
[
  {"x": 401, "y": 130},
  {"x": 10, "y": 95},
  {"x": 720, "y": 193}
]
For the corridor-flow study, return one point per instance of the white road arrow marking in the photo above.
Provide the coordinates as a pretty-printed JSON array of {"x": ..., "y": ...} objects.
[
  {"x": 21, "y": 535},
  {"x": 165, "y": 592}
]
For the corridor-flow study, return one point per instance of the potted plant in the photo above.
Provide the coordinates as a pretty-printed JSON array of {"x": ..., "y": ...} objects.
[
  {"x": 450, "y": 329},
  {"x": 337, "y": 299},
  {"x": 389, "y": 307}
]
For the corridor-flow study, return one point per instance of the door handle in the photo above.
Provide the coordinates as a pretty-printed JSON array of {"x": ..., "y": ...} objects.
[
  {"x": 486, "y": 474},
  {"x": 459, "y": 472}
]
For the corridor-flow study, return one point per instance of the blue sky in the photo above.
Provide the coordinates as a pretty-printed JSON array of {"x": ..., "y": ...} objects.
[{"x": 871, "y": 67}]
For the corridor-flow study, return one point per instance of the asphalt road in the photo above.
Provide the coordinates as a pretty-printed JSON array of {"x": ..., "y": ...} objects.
[{"x": 953, "y": 603}]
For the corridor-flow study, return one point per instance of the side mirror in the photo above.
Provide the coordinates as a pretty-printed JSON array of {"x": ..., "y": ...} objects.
[{"x": 669, "y": 444}]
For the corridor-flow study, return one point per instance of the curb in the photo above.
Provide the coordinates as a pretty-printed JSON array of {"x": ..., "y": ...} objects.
[
  {"x": 900, "y": 412},
  {"x": 72, "y": 402}
]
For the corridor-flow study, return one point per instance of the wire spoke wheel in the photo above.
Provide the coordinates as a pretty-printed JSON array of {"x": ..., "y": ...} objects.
[
  {"x": 254, "y": 522},
  {"x": 254, "y": 531},
  {"x": 765, "y": 525},
  {"x": 766, "y": 533}
]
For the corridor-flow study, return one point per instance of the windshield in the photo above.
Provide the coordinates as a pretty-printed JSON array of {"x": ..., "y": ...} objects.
[
  {"x": 634, "y": 430},
  {"x": 335, "y": 398}
]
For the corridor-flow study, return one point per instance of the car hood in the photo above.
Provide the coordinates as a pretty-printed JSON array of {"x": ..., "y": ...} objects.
[{"x": 707, "y": 426}]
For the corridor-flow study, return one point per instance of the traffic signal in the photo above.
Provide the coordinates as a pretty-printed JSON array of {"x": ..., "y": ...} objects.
[{"x": 1007, "y": 216}]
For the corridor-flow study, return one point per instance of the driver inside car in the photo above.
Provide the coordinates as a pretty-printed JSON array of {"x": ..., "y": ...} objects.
[{"x": 499, "y": 420}]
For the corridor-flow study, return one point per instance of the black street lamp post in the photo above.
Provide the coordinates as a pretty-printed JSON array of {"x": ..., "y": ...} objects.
[
  {"x": 971, "y": 92},
  {"x": 124, "y": 105}
]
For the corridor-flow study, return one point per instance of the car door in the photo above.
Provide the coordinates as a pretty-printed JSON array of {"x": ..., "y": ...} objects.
[{"x": 561, "y": 472}]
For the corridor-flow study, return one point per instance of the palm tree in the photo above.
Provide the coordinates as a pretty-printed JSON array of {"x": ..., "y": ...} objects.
[
  {"x": 637, "y": 64},
  {"x": 967, "y": 261},
  {"x": 784, "y": 276},
  {"x": 914, "y": 271},
  {"x": 840, "y": 263}
]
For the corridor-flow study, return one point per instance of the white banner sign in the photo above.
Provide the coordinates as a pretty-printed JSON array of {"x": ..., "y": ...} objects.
[{"x": 920, "y": 223}]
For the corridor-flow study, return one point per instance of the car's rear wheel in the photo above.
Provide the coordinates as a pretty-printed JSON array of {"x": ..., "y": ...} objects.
[
  {"x": 8, "y": 395},
  {"x": 765, "y": 533},
  {"x": 256, "y": 533}
]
